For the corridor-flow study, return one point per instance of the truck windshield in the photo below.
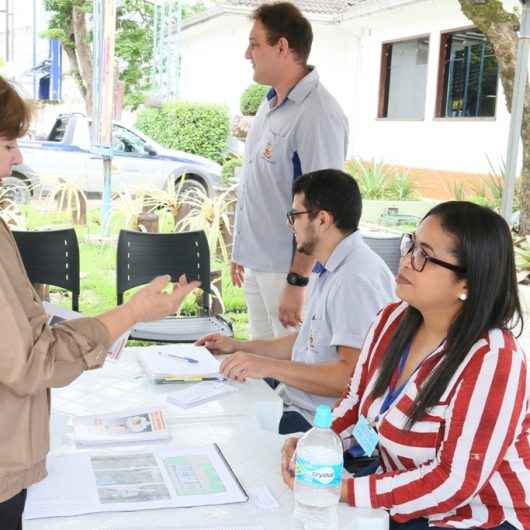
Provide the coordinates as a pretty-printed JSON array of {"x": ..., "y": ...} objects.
[{"x": 58, "y": 130}]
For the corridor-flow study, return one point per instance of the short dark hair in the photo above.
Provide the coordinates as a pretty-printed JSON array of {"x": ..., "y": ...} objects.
[
  {"x": 484, "y": 247},
  {"x": 334, "y": 191},
  {"x": 283, "y": 19},
  {"x": 15, "y": 113}
]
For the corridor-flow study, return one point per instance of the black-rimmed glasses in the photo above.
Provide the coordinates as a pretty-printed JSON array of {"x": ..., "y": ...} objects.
[
  {"x": 419, "y": 258},
  {"x": 291, "y": 214}
]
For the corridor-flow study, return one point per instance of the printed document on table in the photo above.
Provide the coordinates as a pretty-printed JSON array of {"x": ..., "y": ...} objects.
[
  {"x": 132, "y": 425},
  {"x": 179, "y": 362},
  {"x": 167, "y": 477},
  {"x": 196, "y": 528},
  {"x": 200, "y": 393},
  {"x": 57, "y": 314}
]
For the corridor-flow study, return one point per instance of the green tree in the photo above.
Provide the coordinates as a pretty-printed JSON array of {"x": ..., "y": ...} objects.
[
  {"x": 501, "y": 27},
  {"x": 70, "y": 23}
]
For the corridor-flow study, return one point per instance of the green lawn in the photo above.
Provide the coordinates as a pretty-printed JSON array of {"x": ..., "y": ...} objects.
[{"x": 98, "y": 269}]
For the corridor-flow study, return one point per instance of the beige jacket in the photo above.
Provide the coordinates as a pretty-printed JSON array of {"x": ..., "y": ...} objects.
[{"x": 34, "y": 357}]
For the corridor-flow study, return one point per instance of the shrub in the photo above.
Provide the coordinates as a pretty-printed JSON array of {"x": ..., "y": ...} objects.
[
  {"x": 229, "y": 167},
  {"x": 251, "y": 99},
  {"x": 373, "y": 179},
  {"x": 402, "y": 187},
  {"x": 197, "y": 128},
  {"x": 379, "y": 182}
]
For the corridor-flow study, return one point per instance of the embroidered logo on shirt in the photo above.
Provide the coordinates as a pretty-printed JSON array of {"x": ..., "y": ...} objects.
[{"x": 267, "y": 151}]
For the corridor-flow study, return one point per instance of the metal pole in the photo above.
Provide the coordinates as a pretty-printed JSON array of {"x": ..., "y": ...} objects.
[
  {"x": 104, "y": 40},
  {"x": 35, "y": 93},
  {"x": 519, "y": 90}
]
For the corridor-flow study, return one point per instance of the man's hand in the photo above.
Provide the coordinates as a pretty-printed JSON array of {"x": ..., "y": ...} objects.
[
  {"x": 218, "y": 344},
  {"x": 237, "y": 273},
  {"x": 288, "y": 449},
  {"x": 241, "y": 365},
  {"x": 291, "y": 304}
]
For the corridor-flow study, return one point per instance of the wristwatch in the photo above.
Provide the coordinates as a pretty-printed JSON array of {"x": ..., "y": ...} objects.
[{"x": 293, "y": 278}]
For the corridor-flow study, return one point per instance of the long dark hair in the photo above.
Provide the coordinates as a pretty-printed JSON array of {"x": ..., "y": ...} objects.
[{"x": 484, "y": 247}]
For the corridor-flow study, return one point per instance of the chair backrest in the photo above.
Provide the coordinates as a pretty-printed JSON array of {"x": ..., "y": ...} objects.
[
  {"x": 51, "y": 257},
  {"x": 386, "y": 247},
  {"x": 142, "y": 256}
]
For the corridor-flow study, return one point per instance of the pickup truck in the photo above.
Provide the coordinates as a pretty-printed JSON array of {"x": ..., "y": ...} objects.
[{"x": 138, "y": 162}]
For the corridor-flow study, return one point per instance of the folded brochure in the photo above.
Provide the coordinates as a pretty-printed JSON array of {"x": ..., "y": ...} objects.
[{"x": 133, "y": 425}]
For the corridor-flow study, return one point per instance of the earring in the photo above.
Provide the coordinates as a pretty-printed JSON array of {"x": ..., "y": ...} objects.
[{"x": 462, "y": 297}]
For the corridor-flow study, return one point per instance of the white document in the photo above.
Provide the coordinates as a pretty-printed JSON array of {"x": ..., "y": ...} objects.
[
  {"x": 57, "y": 314},
  {"x": 262, "y": 498},
  {"x": 167, "y": 477},
  {"x": 179, "y": 362},
  {"x": 200, "y": 393},
  {"x": 133, "y": 425},
  {"x": 197, "y": 528}
]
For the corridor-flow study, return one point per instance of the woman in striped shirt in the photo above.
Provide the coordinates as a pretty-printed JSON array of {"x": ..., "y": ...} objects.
[{"x": 444, "y": 384}]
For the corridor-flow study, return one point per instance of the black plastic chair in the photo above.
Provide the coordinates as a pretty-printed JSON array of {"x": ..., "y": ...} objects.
[
  {"x": 51, "y": 257},
  {"x": 388, "y": 247},
  {"x": 142, "y": 256}
]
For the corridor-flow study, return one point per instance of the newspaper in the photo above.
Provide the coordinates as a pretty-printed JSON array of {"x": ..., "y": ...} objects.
[{"x": 167, "y": 477}]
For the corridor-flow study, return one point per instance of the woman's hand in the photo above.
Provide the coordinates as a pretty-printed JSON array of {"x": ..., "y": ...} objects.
[
  {"x": 152, "y": 303},
  {"x": 288, "y": 469}
]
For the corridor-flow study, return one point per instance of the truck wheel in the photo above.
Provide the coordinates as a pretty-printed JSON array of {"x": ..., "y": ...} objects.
[
  {"x": 16, "y": 190},
  {"x": 192, "y": 189}
]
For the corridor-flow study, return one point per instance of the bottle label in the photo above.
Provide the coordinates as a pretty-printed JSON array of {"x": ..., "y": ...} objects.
[{"x": 318, "y": 475}]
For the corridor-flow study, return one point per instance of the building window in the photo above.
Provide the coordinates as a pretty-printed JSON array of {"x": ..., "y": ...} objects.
[
  {"x": 467, "y": 80},
  {"x": 404, "y": 79}
]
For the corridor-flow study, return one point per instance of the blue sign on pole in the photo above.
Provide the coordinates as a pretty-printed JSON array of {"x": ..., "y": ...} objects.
[{"x": 56, "y": 70}]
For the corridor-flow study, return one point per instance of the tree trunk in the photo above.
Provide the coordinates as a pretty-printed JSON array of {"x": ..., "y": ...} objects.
[
  {"x": 500, "y": 27},
  {"x": 84, "y": 53}
]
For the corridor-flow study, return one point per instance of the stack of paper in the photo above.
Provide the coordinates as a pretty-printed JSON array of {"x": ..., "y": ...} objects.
[
  {"x": 179, "y": 363},
  {"x": 58, "y": 314},
  {"x": 200, "y": 393},
  {"x": 128, "y": 426}
]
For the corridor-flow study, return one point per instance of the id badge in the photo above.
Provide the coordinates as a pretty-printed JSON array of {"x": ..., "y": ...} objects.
[{"x": 365, "y": 435}]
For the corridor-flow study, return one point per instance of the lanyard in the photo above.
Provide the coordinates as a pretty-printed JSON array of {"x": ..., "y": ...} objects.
[{"x": 393, "y": 392}]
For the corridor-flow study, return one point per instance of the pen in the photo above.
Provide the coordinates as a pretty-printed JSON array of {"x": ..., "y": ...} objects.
[
  {"x": 186, "y": 379},
  {"x": 179, "y": 357}
]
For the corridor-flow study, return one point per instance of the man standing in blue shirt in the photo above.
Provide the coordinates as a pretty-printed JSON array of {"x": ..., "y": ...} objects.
[
  {"x": 349, "y": 286},
  {"x": 299, "y": 128}
]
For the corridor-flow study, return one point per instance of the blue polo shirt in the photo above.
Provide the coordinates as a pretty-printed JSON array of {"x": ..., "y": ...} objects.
[
  {"x": 345, "y": 295},
  {"x": 308, "y": 131}
]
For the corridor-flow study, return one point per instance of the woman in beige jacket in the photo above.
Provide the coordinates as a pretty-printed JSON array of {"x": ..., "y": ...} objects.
[{"x": 34, "y": 356}]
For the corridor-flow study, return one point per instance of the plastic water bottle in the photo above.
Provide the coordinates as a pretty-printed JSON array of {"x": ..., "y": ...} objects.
[{"x": 318, "y": 475}]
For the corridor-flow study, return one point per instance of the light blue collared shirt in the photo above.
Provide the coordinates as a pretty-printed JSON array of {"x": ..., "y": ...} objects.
[
  {"x": 345, "y": 295},
  {"x": 308, "y": 131}
]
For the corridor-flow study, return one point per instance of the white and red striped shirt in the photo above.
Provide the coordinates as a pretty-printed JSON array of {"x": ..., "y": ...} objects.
[{"x": 466, "y": 463}]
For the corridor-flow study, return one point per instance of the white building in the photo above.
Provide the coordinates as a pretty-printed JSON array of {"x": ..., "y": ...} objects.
[
  {"x": 415, "y": 78},
  {"x": 22, "y": 48}
]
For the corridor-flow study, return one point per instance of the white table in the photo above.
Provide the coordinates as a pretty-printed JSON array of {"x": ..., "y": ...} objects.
[{"x": 252, "y": 451}]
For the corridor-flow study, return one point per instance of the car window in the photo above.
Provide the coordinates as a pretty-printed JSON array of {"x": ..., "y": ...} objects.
[
  {"x": 125, "y": 141},
  {"x": 57, "y": 133}
]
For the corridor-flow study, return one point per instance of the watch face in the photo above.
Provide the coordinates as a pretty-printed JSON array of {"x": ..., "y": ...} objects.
[{"x": 295, "y": 279}]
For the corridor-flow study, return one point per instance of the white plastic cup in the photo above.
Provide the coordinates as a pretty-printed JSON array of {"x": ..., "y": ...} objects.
[{"x": 268, "y": 415}]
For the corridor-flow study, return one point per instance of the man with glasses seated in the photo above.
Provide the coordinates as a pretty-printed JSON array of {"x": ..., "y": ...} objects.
[{"x": 349, "y": 285}]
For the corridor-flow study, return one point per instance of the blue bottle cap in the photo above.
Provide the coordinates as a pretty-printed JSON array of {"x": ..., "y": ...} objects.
[{"x": 323, "y": 418}]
